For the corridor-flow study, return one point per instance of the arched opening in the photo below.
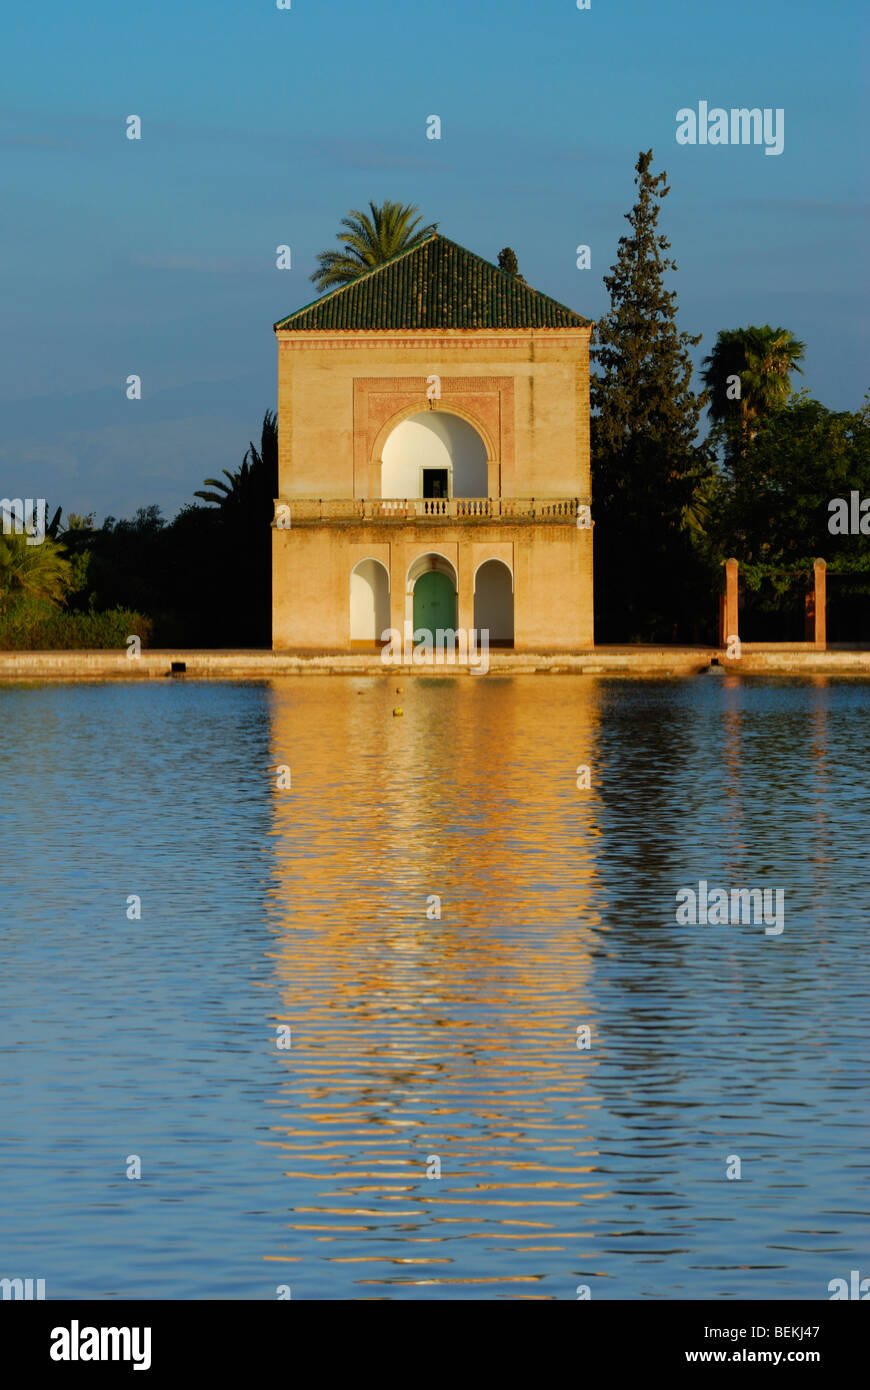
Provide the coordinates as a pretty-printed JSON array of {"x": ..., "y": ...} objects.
[
  {"x": 494, "y": 603},
  {"x": 434, "y": 454},
  {"x": 369, "y": 603},
  {"x": 432, "y": 595},
  {"x": 434, "y": 604}
]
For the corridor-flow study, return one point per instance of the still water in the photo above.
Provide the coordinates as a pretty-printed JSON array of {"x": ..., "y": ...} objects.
[{"x": 419, "y": 1040}]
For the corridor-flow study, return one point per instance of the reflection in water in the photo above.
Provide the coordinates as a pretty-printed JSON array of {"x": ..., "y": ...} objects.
[
  {"x": 434, "y": 966},
  {"x": 455, "y": 1037},
  {"x": 435, "y": 908}
]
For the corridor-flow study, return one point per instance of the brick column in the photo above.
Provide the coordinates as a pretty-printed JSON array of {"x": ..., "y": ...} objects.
[
  {"x": 728, "y": 613},
  {"x": 397, "y": 587},
  {"x": 465, "y": 596},
  {"x": 820, "y": 626}
]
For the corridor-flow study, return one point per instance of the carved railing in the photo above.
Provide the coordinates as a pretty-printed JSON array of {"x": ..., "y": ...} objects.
[
  {"x": 473, "y": 507},
  {"x": 447, "y": 509},
  {"x": 432, "y": 506}
]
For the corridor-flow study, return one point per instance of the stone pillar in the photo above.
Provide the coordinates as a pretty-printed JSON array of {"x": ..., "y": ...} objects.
[
  {"x": 820, "y": 625},
  {"x": 728, "y": 620},
  {"x": 465, "y": 580},
  {"x": 397, "y": 587}
]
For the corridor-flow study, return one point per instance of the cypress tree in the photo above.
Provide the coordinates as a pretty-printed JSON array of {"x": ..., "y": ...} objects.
[{"x": 646, "y": 464}]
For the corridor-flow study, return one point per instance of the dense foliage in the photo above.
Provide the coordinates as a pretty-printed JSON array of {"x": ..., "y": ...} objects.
[
  {"x": 670, "y": 509},
  {"x": 202, "y": 580},
  {"x": 647, "y": 467},
  {"x": 29, "y": 629}
]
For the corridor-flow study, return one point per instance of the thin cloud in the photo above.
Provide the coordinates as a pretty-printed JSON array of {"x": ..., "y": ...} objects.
[
  {"x": 823, "y": 205},
  {"x": 209, "y": 265},
  {"x": 37, "y": 142}
]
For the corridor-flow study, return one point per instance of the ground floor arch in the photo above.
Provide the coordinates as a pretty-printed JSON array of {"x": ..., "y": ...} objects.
[
  {"x": 369, "y": 603},
  {"x": 494, "y": 602},
  {"x": 341, "y": 583},
  {"x": 432, "y": 594},
  {"x": 434, "y": 603}
]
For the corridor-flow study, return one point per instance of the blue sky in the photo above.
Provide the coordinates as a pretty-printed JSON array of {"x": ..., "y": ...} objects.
[{"x": 263, "y": 127}]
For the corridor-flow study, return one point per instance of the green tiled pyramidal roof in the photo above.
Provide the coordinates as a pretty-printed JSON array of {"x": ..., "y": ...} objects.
[{"x": 435, "y": 284}]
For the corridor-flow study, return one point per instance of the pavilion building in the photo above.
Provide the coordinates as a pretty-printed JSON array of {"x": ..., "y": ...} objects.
[{"x": 433, "y": 428}]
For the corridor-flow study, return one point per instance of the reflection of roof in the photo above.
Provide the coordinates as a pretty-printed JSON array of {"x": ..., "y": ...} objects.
[{"x": 435, "y": 284}]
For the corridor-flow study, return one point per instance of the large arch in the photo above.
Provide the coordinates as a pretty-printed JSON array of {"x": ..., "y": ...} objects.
[
  {"x": 494, "y": 602},
  {"x": 434, "y": 453},
  {"x": 369, "y": 603}
]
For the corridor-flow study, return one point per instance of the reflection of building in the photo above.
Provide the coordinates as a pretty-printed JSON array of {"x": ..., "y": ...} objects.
[
  {"x": 452, "y": 1034},
  {"x": 450, "y": 816},
  {"x": 433, "y": 460}
]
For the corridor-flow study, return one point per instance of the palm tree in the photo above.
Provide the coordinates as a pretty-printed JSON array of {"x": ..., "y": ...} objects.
[
  {"x": 771, "y": 355},
  {"x": 762, "y": 360},
  {"x": 245, "y": 507},
  {"x": 228, "y": 494},
  {"x": 40, "y": 572},
  {"x": 724, "y": 363},
  {"x": 253, "y": 486},
  {"x": 264, "y": 461},
  {"x": 370, "y": 241}
]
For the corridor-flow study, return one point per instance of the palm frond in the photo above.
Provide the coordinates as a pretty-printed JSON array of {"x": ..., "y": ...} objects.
[{"x": 369, "y": 240}]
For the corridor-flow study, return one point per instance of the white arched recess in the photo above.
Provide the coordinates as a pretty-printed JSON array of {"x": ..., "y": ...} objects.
[
  {"x": 369, "y": 601},
  {"x": 436, "y": 440},
  {"x": 494, "y": 602}
]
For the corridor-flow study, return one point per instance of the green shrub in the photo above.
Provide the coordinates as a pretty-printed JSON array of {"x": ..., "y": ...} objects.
[{"x": 27, "y": 629}]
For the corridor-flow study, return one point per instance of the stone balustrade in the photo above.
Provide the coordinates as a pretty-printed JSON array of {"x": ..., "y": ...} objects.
[{"x": 474, "y": 509}]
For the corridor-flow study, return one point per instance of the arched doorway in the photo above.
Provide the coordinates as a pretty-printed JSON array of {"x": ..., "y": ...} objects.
[
  {"x": 432, "y": 594},
  {"x": 494, "y": 603},
  {"x": 434, "y": 454},
  {"x": 369, "y": 603},
  {"x": 434, "y": 603}
]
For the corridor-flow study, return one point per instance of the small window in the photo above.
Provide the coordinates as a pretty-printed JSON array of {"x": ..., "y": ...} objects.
[{"x": 435, "y": 482}]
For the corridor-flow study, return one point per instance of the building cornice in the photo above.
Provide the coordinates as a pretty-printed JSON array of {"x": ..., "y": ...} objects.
[{"x": 427, "y": 340}]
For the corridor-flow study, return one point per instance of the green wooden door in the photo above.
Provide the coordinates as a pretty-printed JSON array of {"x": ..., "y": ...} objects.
[{"x": 434, "y": 602}]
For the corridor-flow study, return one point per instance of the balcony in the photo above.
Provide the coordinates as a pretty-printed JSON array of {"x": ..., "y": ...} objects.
[{"x": 560, "y": 510}]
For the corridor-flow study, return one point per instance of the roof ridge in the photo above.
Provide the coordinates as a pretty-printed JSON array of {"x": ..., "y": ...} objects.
[
  {"x": 453, "y": 287},
  {"x": 349, "y": 284},
  {"x": 516, "y": 279}
]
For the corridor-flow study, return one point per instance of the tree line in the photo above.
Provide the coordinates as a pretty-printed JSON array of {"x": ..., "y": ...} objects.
[
  {"x": 201, "y": 580},
  {"x": 669, "y": 506}
]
